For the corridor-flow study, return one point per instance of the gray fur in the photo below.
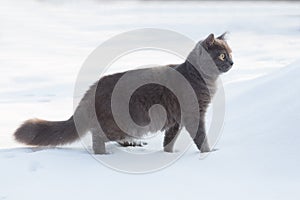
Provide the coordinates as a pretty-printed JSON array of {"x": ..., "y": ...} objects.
[{"x": 45, "y": 133}]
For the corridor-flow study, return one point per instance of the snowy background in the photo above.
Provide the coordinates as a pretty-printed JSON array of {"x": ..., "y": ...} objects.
[{"x": 43, "y": 45}]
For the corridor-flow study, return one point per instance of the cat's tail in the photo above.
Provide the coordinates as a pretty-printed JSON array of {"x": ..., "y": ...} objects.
[{"x": 47, "y": 133}]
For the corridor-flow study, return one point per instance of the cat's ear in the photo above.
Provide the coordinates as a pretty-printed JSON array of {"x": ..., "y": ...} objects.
[
  {"x": 223, "y": 36},
  {"x": 209, "y": 41}
]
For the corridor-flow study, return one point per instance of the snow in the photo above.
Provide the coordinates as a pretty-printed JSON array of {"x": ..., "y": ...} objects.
[{"x": 44, "y": 43}]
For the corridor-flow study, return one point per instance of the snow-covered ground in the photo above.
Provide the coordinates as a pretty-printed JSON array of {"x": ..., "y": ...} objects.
[{"x": 44, "y": 43}]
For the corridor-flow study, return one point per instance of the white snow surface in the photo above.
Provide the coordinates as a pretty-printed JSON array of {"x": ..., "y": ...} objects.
[{"x": 44, "y": 43}]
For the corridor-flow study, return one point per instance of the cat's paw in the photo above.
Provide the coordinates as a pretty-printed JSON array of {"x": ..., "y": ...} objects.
[
  {"x": 132, "y": 143},
  {"x": 96, "y": 152},
  {"x": 205, "y": 149},
  {"x": 168, "y": 149}
]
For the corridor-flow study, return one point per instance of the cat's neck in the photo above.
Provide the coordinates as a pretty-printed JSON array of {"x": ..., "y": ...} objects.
[
  {"x": 191, "y": 71},
  {"x": 197, "y": 78}
]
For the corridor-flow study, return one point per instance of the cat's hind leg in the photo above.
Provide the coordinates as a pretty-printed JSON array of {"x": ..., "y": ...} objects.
[
  {"x": 98, "y": 143},
  {"x": 171, "y": 135}
]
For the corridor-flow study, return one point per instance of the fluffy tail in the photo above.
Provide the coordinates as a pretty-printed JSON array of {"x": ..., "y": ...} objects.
[{"x": 45, "y": 133}]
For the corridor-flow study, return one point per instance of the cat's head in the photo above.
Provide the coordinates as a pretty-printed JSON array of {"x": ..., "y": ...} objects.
[{"x": 219, "y": 51}]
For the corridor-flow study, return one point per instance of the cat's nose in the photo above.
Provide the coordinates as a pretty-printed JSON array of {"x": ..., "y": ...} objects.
[{"x": 231, "y": 62}]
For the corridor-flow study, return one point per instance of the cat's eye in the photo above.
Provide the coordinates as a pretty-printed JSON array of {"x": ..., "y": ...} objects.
[{"x": 222, "y": 56}]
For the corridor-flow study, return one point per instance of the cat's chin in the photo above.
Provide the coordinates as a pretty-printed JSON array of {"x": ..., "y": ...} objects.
[{"x": 224, "y": 69}]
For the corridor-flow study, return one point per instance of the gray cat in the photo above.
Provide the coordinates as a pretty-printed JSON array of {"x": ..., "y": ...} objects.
[{"x": 95, "y": 108}]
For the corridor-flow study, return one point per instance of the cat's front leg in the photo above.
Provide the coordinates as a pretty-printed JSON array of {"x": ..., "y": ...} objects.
[
  {"x": 205, "y": 146},
  {"x": 200, "y": 139}
]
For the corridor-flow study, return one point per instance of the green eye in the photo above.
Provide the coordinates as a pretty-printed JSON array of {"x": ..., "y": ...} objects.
[{"x": 222, "y": 56}]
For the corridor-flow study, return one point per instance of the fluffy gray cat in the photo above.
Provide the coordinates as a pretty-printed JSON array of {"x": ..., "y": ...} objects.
[{"x": 210, "y": 58}]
